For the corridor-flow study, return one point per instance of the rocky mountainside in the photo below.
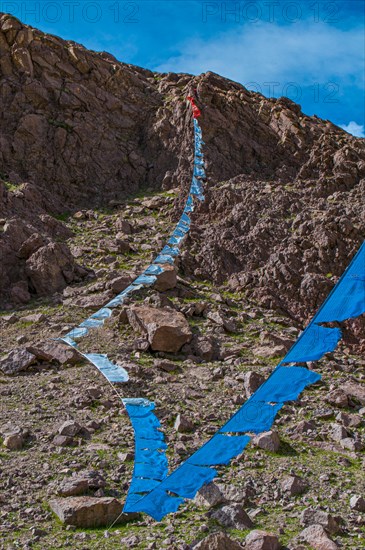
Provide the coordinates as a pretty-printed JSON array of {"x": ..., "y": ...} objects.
[{"x": 286, "y": 191}]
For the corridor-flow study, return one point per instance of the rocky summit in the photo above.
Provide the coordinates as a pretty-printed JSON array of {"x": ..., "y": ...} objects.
[{"x": 95, "y": 165}]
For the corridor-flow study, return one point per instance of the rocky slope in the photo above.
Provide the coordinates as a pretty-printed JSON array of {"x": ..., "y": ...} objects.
[
  {"x": 64, "y": 432},
  {"x": 86, "y": 129}
]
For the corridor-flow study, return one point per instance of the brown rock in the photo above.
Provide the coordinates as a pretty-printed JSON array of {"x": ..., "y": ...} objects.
[
  {"x": 167, "y": 279},
  {"x": 55, "y": 351},
  {"x": 357, "y": 503},
  {"x": 183, "y": 424},
  {"x": 87, "y": 512},
  {"x": 261, "y": 540},
  {"x": 165, "y": 365},
  {"x": 270, "y": 351},
  {"x": 294, "y": 485},
  {"x": 232, "y": 516},
  {"x": 73, "y": 487},
  {"x": 338, "y": 398},
  {"x": 31, "y": 245},
  {"x": 316, "y": 536},
  {"x": 69, "y": 428},
  {"x": 51, "y": 268},
  {"x": 356, "y": 391},
  {"x": 313, "y": 516},
  {"x": 167, "y": 330},
  {"x": 16, "y": 361},
  {"x": 34, "y": 318},
  {"x": 14, "y": 441},
  {"x": 269, "y": 441},
  {"x": 252, "y": 382},
  {"x": 209, "y": 495},
  {"x": 63, "y": 441}
]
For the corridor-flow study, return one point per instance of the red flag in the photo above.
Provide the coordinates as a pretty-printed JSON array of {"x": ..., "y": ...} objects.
[{"x": 196, "y": 110}]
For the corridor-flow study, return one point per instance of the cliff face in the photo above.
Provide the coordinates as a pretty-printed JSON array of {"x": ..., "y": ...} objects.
[{"x": 283, "y": 209}]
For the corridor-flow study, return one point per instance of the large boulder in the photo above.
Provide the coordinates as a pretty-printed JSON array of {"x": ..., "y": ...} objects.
[
  {"x": 51, "y": 268},
  {"x": 16, "y": 361},
  {"x": 316, "y": 536},
  {"x": 166, "y": 329},
  {"x": 167, "y": 279},
  {"x": 88, "y": 511},
  {"x": 232, "y": 516},
  {"x": 260, "y": 540},
  {"x": 54, "y": 351}
]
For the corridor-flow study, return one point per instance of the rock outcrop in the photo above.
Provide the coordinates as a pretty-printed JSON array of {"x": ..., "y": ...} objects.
[{"x": 284, "y": 208}]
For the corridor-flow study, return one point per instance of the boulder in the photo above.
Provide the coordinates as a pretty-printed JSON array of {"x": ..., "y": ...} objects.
[
  {"x": 55, "y": 351},
  {"x": 87, "y": 511},
  {"x": 294, "y": 485},
  {"x": 232, "y": 516},
  {"x": 338, "y": 398},
  {"x": 314, "y": 516},
  {"x": 51, "y": 268},
  {"x": 167, "y": 330},
  {"x": 209, "y": 495},
  {"x": 316, "y": 536},
  {"x": 14, "y": 441},
  {"x": 16, "y": 361},
  {"x": 269, "y": 441},
  {"x": 70, "y": 428},
  {"x": 183, "y": 424},
  {"x": 357, "y": 502},
  {"x": 252, "y": 381},
  {"x": 73, "y": 487},
  {"x": 261, "y": 540},
  {"x": 167, "y": 279}
]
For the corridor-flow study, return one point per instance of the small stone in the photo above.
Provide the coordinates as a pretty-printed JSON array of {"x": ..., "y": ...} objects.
[
  {"x": 63, "y": 441},
  {"x": 34, "y": 318},
  {"x": 55, "y": 351},
  {"x": 261, "y": 540},
  {"x": 9, "y": 319},
  {"x": 351, "y": 444},
  {"x": 73, "y": 487},
  {"x": 269, "y": 441},
  {"x": 294, "y": 485},
  {"x": 357, "y": 503},
  {"x": 209, "y": 495},
  {"x": 163, "y": 364},
  {"x": 94, "y": 392},
  {"x": 350, "y": 420},
  {"x": 232, "y": 516},
  {"x": 125, "y": 457},
  {"x": 183, "y": 424},
  {"x": 167, "y": 330}
]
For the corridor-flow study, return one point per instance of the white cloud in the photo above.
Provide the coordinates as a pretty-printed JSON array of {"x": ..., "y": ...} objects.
[
  {"x": 304, "y": 53},
  {"x": 354, "y": 129}
]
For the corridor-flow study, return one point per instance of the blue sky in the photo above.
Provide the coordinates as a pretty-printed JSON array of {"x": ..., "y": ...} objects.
[{"x": 313, "y": 52}]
